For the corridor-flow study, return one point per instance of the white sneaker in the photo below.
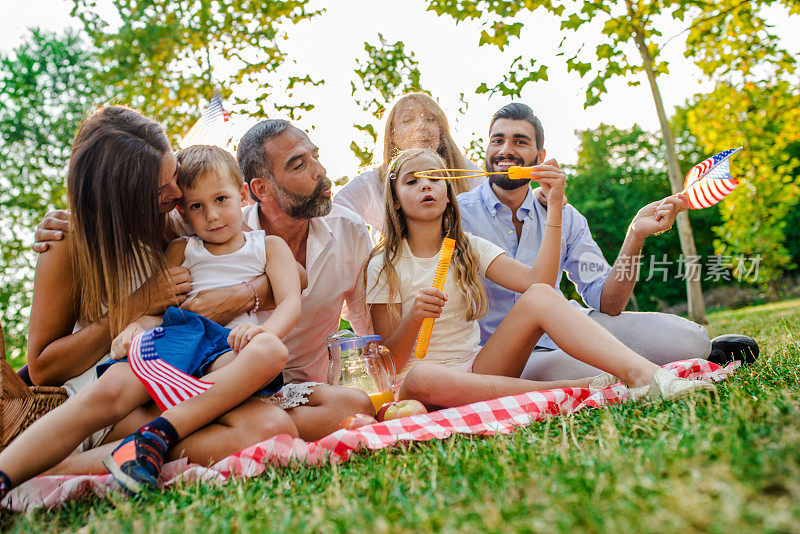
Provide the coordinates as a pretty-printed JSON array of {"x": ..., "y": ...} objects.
[
  {"x": 637, "y": 394},
  {"x": 666, "y": 385},
  {"x": 603, "y": 381}
]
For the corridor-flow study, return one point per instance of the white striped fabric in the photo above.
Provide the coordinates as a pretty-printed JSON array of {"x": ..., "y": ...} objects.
[
  {"x": 167, "y": 385},
  {"x": 710, "y": 181}
]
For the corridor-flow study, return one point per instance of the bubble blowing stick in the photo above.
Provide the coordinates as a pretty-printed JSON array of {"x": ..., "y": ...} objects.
[
  {"x": 514, "y": 172},
  {"x": 445, "y": 254}
]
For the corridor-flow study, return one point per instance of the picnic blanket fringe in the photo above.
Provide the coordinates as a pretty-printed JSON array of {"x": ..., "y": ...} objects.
[{"x": 497, "y": 416}]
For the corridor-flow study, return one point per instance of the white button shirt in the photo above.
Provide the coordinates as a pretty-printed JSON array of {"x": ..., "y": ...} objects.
[{"x": 338, "y": 247}]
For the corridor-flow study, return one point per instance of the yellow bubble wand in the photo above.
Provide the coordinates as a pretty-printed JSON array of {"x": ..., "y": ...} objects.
[
  {"x": 514, "y": 172},
  {"x": 445, "y": 254},
  {"x": 448, "y": 245}
]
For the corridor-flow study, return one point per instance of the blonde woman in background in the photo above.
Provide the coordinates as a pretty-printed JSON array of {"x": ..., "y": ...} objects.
[{"x": 414, "y": 120}]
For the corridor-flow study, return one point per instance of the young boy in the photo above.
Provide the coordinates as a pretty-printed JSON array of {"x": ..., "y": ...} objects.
[{"x": 234, "y": 363}]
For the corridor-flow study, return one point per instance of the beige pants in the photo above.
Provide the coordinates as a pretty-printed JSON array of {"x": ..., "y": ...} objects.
[{"x": 659, "y": 337}]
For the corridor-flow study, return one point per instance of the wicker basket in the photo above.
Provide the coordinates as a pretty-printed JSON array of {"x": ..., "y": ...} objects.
[{"x": 21, "y": 405}]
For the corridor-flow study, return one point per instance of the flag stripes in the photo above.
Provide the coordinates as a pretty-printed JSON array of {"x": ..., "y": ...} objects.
[
  {"x": 708, "y": 182},
  {"x": 167, "y": 385},
  {"x": 211, "y": 128}
]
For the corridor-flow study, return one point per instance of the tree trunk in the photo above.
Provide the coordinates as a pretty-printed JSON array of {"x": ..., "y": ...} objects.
[{"x": 694, "y": 293}]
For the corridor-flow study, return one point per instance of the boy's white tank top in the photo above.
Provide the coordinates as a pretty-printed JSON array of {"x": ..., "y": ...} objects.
[{"x": 211, "y": 271}]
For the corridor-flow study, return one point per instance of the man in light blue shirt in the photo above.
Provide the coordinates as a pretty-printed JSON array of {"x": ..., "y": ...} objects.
[{"x": 506, "y": 212}]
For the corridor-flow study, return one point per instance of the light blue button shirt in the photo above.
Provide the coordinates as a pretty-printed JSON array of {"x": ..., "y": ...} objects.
[{"x": 482, "y": 214}]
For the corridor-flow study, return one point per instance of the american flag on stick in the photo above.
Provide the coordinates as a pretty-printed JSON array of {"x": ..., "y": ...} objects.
[
  {"x": 167, "y": 385},
  {"x": 212, "y": 128},
  {"x": 710, "y": 181}
]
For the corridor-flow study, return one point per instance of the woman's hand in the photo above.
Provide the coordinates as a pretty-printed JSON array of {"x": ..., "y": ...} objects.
[
  {"x": 242, "y": 334},
  {"x": 52, "y": 228},
  {"x": 168, "y": 288},
  {"x": 121, "y": 343},
  {"x": 428, "y": 304}
]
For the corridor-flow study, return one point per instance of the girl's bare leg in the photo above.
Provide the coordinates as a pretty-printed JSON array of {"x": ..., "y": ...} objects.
[
  {"x": 53, "y": 437},
  {"x": 437, "y": 386},
  {"x": 542, "y": 310}
]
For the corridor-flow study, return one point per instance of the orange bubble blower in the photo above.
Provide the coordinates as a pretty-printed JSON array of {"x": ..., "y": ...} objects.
[
  {"x": 514, "y": 172},
  {"x": 445, "y": 254}
]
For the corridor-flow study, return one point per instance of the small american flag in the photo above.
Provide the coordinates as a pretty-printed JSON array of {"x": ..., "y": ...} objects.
[
  {"x": 210, "y": 128},
  {"x": 167, "y": 385},
  {"x": 710, "y": 181}
]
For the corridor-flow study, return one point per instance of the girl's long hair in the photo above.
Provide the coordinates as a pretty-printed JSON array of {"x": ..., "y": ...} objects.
[
  {"x": 448, "y": 150},
  {"x": 464, "y": 260},
  {"x": 117, "y": 234}
]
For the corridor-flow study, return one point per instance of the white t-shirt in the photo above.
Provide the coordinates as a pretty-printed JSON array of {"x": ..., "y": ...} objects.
[
  {"x": 364, "y": 195},
  {"x": 454, "y": 340}
]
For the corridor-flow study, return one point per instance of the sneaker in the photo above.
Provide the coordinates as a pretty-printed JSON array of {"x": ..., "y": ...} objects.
[
  {"x": 729, "y": 347},
  {"x": 640, "y": 393},
  {"x": 603, "y": 381},
  {"x": 136, "y": 463},
  {"x": 666, "y": 385}
]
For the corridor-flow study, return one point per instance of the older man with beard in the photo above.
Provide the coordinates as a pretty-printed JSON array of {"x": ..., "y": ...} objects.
[
  {"x": 504, "y": 211},
  {"x": 293, "y": 200}
]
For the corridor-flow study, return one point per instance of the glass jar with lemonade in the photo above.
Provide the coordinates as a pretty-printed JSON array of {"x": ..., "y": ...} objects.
[{"x": 360, "y": 362}]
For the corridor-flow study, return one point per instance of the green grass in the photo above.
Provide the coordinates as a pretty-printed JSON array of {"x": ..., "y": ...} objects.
[{"x": 727, "y": 465}]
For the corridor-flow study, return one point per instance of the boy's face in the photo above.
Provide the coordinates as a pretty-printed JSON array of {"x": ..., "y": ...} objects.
[{"x": 213, "y": 207}]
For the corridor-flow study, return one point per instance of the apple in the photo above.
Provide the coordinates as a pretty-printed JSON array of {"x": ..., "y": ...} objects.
[
  {"x": 357, "y": 421},
  {"x": 402, "y": 408}
]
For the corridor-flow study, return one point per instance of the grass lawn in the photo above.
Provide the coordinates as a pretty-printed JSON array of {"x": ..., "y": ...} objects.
[{"x": 727, "y": 465}]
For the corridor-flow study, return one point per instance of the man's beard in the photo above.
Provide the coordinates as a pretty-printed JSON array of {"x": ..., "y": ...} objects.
[
  {"x": 502, "y": 180},
  {"x": 304, "y": 206}
]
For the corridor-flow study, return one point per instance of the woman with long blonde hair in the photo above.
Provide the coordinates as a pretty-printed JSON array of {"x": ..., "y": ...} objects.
[
  {"x": 414, "y": 120},
  {"x": 419, "y": 213}
]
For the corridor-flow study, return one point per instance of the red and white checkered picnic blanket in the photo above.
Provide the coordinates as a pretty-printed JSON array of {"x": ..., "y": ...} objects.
[{"x": 497, "y": 416}]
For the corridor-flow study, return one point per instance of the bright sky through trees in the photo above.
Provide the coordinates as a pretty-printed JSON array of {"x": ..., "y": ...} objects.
[{"x": 451, "y": 63}]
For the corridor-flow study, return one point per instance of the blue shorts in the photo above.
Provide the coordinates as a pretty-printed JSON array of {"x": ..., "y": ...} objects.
[{"x": 190, "y": 343}]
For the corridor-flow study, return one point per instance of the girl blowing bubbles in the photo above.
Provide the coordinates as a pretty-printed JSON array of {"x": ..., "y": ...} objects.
[
  {"x": 420, "y": 213},
  {"x": 221, "y": 255}
]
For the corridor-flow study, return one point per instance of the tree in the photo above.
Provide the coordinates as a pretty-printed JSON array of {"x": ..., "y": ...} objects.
[
  {"x": 160, "y": 58},
  {"x": 765, "y": 118},
  {"x": 387, "y": 71},
  {"x": 47, "y": 84},
  {"x": 618, "y": 171},
  {"x": 635, "y": 23}
]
